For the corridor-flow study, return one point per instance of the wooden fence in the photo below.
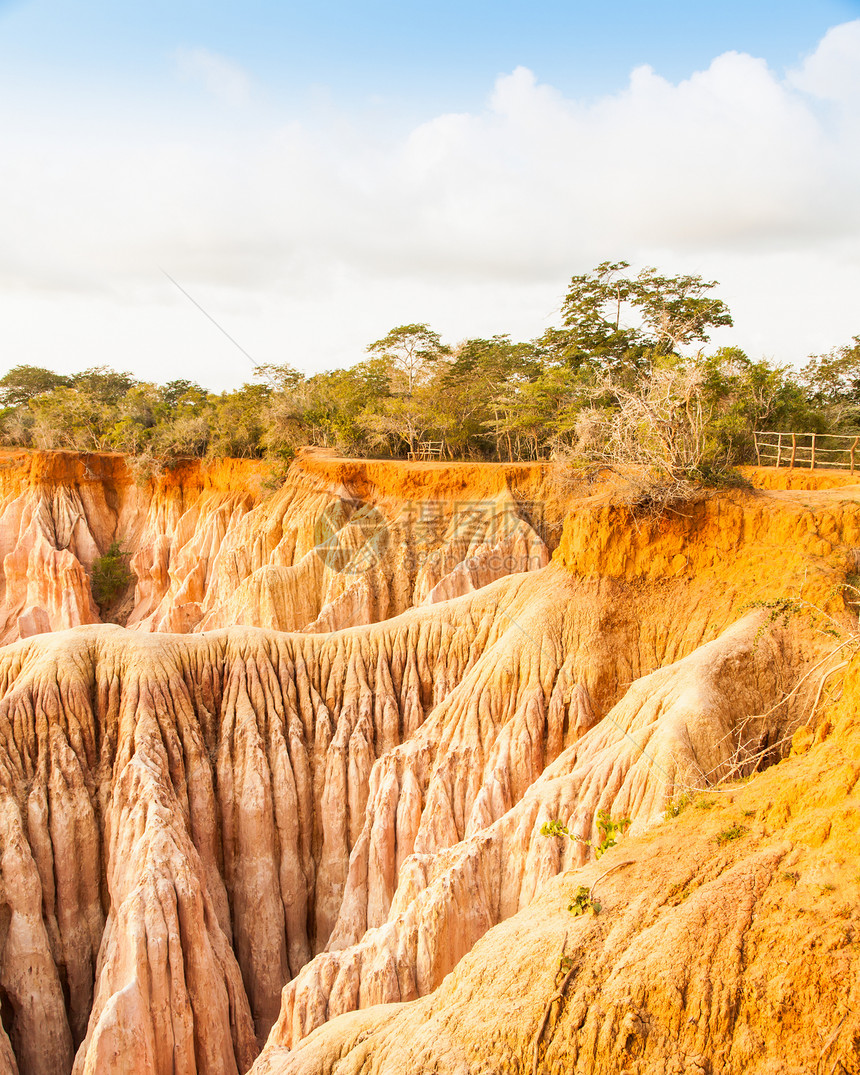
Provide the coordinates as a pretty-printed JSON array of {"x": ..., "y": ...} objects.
[
  {"x": 808, "y": 450},
  {"x": 427, "y": 449}
]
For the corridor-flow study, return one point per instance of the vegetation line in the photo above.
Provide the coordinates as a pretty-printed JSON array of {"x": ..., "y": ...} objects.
[{"x": 624, "y": 379}]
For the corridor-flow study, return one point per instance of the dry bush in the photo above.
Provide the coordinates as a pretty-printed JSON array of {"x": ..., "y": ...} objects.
[
  {"x": 145, "y": 467},
  {"x": 655, "y": 437},
  {"x": 661, "y": 427}
]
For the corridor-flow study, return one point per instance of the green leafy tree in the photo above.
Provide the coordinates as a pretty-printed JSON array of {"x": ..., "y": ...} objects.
[
  {"x": 279, "y": 378},
  {"x": 833, "y": 384},
  {"x": 22, "y": 383},
  {"x": 473, "y": 390},
  {"x": 182, "y": 396},
  {"x": 69, "y": 418},
  {"x": 103, "y": 384},
  {"x": 619, "y": 324},
  {"x": 237, "y": 423},
  {"x": 401, "y": 422},
  {"x": 412, "y": 351},
  {"x": 335, "y": 403},
  {"x": 742, "y": 396},
  {"x": 595, "y": 315},
  {"x": 678, "y": 310}
]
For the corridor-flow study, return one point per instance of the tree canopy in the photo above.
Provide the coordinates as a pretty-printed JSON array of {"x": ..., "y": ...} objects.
[{"x": 481, "y": 398}]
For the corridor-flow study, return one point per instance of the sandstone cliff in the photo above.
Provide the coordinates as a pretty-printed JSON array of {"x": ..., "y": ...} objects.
[
  {"x": 338, "y": 544},
  {"x": 59, "y": 511},
  {"x": 255, "y": 835}
]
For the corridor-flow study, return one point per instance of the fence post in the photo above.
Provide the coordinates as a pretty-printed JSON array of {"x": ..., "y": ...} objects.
[
  {"x": 853, "y": 446},
  {"x": 793, "y": 448},
  {"x": 812, "y": 455},
  {"x": 757, "y": 450},
  {"x": 779, "y": 449}
]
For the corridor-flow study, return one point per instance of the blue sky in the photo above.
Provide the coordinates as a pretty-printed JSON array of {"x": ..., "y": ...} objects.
[
  {"x": 314, "y": 174},
  {"x": 446, "y": 52}
]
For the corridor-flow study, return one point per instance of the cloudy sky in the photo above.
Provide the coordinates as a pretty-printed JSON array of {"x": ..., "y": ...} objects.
[{"x": 301, "y": 178}]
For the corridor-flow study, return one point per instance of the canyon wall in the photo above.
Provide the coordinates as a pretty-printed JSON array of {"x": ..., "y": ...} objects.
[
  {"x": 295, "y": 804},
  {"x": 60, "y": 511},
  {"x": 339, "y": 543}
]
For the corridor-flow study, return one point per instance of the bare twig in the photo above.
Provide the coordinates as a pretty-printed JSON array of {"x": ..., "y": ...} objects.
[
  {"x": 556, "y": 996},
  {"x": 617, "y": 866},
  {"x": 830, "y": 1041}
]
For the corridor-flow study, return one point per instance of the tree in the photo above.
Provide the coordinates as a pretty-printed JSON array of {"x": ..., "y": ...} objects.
[
  {"x": 678, "y": 310},
  {"x": 103, "y": 384},
  {"x": 237, "y": 423},
  {"x": 406, "y": 419},
  {"x": 470, "y": 386},
  {"x": 111, "y": 575},
  {"x": 594, "y": 333},
  {"x": 334, "y": 403},
  {"x": 655, "y": 435},
  {"x": 744, "y": 396},
  {"x": 279, "y": 378},
  {"x": 67, "y": 418},
  {"x": 411, "y": 350},
  {"x": 833, "y": 379},
  {"x": 182, "y": 395},
  {"x": 22, "y": 383},
  {"x": 619, "y": 324}
]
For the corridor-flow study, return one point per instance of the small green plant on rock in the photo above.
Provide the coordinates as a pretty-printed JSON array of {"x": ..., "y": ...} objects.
[
  {"x": 608, "y": 830},
  {"x": 675, "y": 807},
  {"x": 583, "y": 902},
  {"x": 727, "y": 835},
  {"x": 556, "y": 828}
]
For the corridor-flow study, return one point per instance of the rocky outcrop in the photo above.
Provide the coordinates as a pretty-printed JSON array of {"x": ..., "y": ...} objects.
[
  {"x": 217, "y": 840},
  {"x": 60, "y": 511},
  {"x": 674, "y": 731},
  {"x": 339, "y": 544},
  {"x": 726, "y": 940}
]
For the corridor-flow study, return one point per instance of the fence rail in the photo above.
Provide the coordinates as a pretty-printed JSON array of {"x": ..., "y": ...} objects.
[
  {"x": 427, "y": 449},
  {"x": 808, "y": 450}
]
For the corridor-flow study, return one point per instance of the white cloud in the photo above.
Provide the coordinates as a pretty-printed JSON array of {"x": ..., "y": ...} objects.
[
  {"x": 832, "y": 72},
  {"x": 220, "y": 76},
  {"x": 309, "y": 240}
]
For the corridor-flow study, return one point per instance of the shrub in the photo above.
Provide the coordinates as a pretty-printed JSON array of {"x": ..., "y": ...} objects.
[
  {"x": 111, "y": 575},
  {"x": 582, "y": 902},
  {"x": 677, "y": 806},
  {"x": 145, "y": 468}
]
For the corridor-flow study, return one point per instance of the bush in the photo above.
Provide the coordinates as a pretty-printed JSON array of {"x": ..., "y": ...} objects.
[
  {"x": 111, "y": 575},
  {"x": 608, "y": 829},
  {"x": 145, "y": 468}
]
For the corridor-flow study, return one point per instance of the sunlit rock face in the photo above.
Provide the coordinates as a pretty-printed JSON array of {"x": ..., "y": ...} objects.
[
  {"x": 339, "y": 544},
  {"x": 322, "y": 789}
]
